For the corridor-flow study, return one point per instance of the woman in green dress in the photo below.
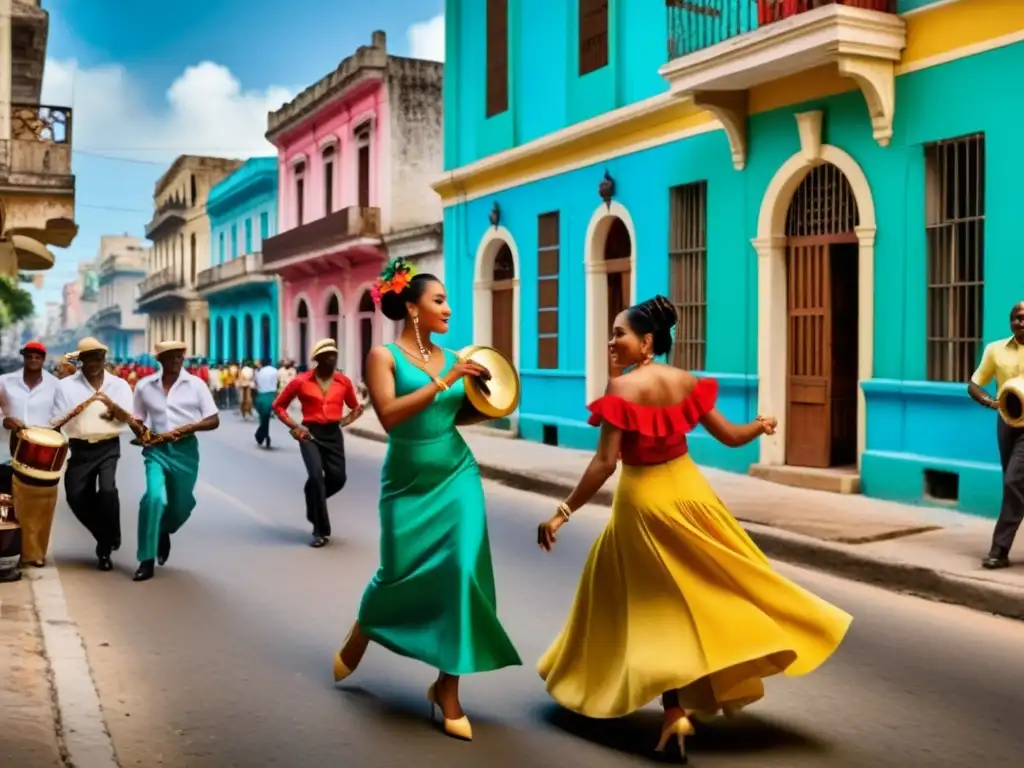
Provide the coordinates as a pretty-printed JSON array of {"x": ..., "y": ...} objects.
[{"x": 433, "y": 597}]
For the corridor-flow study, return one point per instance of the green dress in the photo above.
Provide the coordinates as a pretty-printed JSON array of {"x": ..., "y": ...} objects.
[{"x": 433, "y": 597}]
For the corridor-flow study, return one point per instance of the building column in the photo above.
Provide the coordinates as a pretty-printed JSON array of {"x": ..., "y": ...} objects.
[{"x": 5, "y": 70}]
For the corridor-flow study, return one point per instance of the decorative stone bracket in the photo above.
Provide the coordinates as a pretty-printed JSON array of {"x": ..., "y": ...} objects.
[
  {"x": 731, "y": 109},
  {"x": 876, "y": 79}
]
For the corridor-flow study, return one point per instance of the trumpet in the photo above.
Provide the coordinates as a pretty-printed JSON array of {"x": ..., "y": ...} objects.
[{"x": 1010, "y": 401}]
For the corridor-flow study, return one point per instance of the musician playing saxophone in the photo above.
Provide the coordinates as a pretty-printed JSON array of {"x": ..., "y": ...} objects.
[
  {"x": 1004, "y": 360},
  {"x": 90, "y": 398}
]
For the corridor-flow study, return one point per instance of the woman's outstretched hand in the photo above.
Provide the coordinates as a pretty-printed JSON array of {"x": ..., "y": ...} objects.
[
  {"x": 467, "y": 368},
  {"x": 546, "y": 532},
  {"x": 768, "y": 424}
]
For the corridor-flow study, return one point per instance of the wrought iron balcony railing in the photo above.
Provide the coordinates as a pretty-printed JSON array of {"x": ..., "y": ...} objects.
[{"x": 694, "y": 25}]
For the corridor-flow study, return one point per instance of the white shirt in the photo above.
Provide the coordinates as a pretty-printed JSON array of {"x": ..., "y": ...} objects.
[
  {"x": 216, "y": 380},
  {"x": 245, "y": 377},
  {"x": 188, "y": 401},
  {"x": 90, "y": 424},
  {"x": 33, "y": 407},
  {"x": 266, "y": 379}
]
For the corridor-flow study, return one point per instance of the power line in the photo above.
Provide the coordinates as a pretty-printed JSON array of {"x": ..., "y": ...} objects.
[
  {"x": 161, "y": 163},
  {"x": 112, "y": 208}
]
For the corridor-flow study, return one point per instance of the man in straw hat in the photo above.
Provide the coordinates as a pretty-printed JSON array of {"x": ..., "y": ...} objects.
[
  {"x": 26, "y": 400},
  {"x": 323, "y": 393},
  {"x": 102, "y": 403},
  {"x": 174, "y": 405}
]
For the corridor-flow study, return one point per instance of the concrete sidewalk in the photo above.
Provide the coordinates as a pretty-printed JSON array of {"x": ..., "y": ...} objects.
[
  {"x": 926, "y": 551},
  {"x": 28, "y": 716}
]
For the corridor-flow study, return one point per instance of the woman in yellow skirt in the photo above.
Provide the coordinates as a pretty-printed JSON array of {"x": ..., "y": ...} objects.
[{"x": 675, "y": 600}]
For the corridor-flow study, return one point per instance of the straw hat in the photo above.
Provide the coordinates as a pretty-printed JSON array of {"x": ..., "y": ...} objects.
[
  {"x": 89, "y": 344},
  {"x": 164, "y": 347},
  {"x": 322, "y": 347}
]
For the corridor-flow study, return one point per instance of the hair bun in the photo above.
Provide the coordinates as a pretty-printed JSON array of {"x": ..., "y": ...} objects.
[{"x": 662, "y": 312}]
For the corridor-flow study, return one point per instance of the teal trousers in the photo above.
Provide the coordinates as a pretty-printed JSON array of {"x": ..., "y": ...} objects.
[{"x": 172, "y": 470}]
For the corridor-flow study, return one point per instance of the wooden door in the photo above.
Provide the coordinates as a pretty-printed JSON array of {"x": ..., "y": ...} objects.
[
  {"x": 809, "y": 321},
  {"x": 365, "y": 344},
  {"x": 618, "y": 280},
  {"x": 501, "y": 317}
]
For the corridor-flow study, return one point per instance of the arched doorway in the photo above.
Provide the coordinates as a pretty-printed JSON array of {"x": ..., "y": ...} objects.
[
  {"x": 365, "y": 331},
  {"x": 218, "y": 354},
  {"x": 250, "y": 332},
  {"x": 496, "y": 293},
  {"x": 266, "y": 353},
  {"x": 618, "y": 250},
  {"x": 302, "y": 318},
  {"x": 336, "y": 324},
  {"x": 821, "y": 321},
  {"x": 503, "y": 276},
  {"x": 233, "y": 340}
]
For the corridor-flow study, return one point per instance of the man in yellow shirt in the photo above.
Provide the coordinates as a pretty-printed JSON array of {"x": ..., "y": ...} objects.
[{"x": 1004, "y": 360}]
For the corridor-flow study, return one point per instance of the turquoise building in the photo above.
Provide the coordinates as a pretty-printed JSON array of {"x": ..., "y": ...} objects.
[
  {"x": 836, "y": 230},
  {"x": 243, "y": 301}
]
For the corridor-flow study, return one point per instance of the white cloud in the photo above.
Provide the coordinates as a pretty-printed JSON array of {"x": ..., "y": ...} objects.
[
  {"x": 206, "y": 112},
  {"x": 426, "y": 39}
]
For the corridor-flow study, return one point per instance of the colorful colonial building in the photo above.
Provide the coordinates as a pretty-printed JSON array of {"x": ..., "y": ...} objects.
[
  {"x": 825, "y": 189},
  {"x": 241, "y": 297},
  {"x": 357, "y": 152},
  {"x": 180, "y": 233}
]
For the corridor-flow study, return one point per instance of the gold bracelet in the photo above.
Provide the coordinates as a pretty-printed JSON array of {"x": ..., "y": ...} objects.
[
  {"x": 440, "y": 384},
  {"x": 564, "y": 511}
]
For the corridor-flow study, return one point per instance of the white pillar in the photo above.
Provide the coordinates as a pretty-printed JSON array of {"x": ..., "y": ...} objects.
[{"x": 6, "y": 65}]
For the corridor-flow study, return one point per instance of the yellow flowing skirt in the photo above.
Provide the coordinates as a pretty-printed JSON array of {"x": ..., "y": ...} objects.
[{"x": 676, "y": 596}]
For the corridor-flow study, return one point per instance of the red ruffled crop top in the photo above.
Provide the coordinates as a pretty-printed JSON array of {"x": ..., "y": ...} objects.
[{"x": 654, "y": 434}]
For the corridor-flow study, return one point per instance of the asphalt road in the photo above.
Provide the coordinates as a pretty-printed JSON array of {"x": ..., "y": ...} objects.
[{"x": 224, "y": 659}]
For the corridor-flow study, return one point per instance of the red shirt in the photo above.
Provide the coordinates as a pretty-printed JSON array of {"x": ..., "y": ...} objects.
[{"x": 317, "y": 407}]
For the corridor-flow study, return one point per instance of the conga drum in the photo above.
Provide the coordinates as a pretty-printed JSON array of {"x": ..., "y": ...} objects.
[
  {"x": 39, "y": 453},
  {"x": 10, "y": 541},
  {"x": 497, "y": 397}
]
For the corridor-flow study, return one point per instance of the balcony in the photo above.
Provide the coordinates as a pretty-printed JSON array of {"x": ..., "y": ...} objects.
[
  {"x": 163, "y": 290},
  {"x": 39, "y": 154},
  {"x": 169, "y": 215},
  {"x": 107, "y": 318},
  {"x": 339, "y": 231},
  {"x": 720, "y": 49},
  {"x": 245, "y": 270}
]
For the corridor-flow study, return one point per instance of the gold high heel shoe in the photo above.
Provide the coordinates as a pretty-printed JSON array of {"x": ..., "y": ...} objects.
[
  {"x": 341, "y": 670},
  {"x": 680, "y": 729},
  {"x": 457, "y": 729}
]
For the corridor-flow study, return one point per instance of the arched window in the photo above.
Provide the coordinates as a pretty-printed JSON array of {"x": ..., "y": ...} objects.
[
  {"x": 328, "y": 158},
  {"x": 366, "y": 314},
  {"x": 248, "y": 344},
  {"x": 193, "y": 189},
  {"x": 192, "y": 256},
  {"x": 233, "y": 340},
  {"x": 181, "y": 250},
  {"x": 265, "y": 347},
  {"x": 303, "y": 317},
  {"x": 333, "y": 319},
  {"x": 218, "y": 351}
]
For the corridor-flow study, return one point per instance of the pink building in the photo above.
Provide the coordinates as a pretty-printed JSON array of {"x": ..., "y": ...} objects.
[{"x": 357, "y": 154}]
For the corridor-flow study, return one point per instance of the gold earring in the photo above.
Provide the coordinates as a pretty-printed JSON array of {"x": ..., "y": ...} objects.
[{"x": 419, "y": 339}]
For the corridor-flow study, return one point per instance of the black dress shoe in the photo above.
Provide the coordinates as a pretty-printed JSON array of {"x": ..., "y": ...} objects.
[
  {"x": 267, "y": 442},
  {"x": 995, "y": 561},
  {"x": 318, "y": 541},
  {"x": 163, "y": 549},
  {"x": 104, "y": 564},
  {"x": 144, "y": 572}
]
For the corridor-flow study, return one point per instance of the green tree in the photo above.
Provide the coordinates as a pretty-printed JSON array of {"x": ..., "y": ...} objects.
[{"x": 15, "y": 301}]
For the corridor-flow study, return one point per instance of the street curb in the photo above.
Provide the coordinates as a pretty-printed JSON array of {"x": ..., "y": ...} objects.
[{"x": 837, "y": 559}]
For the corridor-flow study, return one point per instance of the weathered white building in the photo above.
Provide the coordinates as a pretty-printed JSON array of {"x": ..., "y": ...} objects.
[{"x": 122, "y": 264}]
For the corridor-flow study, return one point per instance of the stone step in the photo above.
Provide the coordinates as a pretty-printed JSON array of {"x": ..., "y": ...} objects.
[{"x": 832, "y": 480}]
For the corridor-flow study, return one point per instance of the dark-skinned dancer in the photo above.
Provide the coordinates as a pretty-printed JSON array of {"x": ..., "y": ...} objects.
[
  {"x": 174, "y": 405},
  {"x": 1004, "y": 360},
  {"x": 94, "y": 442},
  {"x": 323, "y": 394}
]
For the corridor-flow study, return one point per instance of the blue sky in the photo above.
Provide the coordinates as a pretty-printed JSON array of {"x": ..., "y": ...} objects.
[{"x": 151, "y": 80}]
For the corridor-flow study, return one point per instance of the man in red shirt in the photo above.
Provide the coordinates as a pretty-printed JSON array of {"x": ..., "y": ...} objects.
[{"x": 323, "y": 393}]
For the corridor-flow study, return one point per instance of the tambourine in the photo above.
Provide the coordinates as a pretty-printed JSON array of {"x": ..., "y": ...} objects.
[{"x": 499, "y": 397}]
